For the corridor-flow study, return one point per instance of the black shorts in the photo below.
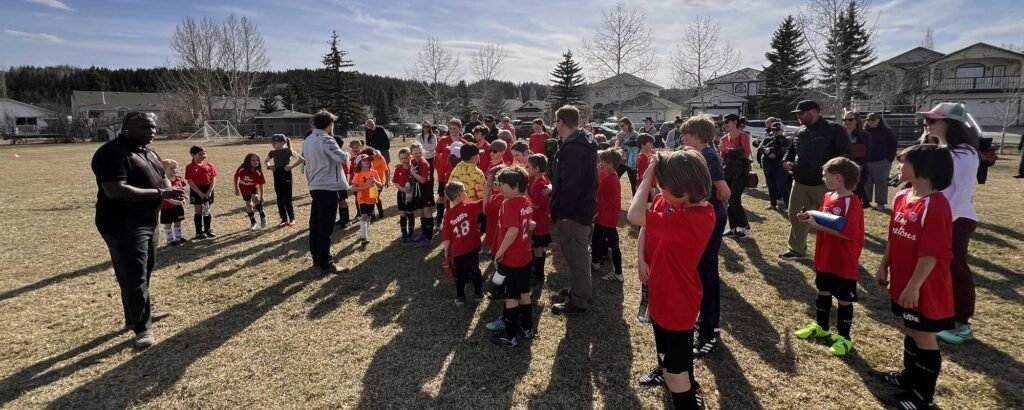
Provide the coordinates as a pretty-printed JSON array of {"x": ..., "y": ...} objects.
[
  {"x": 404, "y": 202},
  {"x": 675, "y": 349},
  {"x": 422, "y": 195},
  {"x": 913, "y": 319},
  {"x": 194, "y": 198},
  {"x": 366, "y": 209},
  {"x": 440, "y": 189},
  {"x": 845, "y": 290},
  {"x": 517, "y": 280},
  {"x": 482, "y": 221},
  {"x": 541, "y": 241},
  {"x": 247, "y": 196},
  {"x": 171, "y": 215},
  {"x": 342, "y": 196},
  {"x": 467, "y": 265}
]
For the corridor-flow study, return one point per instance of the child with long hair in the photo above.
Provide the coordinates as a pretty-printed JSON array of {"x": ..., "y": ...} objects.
[
  {"x": 281, "y": 159},
  {"x": 172, "y": 213},
  {"x": 367, "y": 184},
  {"x": 249, "y": 183},
  {"x": 402, "y": 178},
  {"x": 422, "y": 193},
  {"x": 201, "y": 176}
]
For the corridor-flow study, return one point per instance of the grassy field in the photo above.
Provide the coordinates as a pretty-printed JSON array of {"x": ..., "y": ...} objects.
[{"x": 252, "y": 325}]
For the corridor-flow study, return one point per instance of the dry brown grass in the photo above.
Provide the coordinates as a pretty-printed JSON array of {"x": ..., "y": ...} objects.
[{"x": 252, "y": 325}]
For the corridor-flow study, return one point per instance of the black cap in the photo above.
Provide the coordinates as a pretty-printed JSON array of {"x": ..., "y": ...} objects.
[
  {"x": 806, "y": 105},
  {"x": 731, "y": 117}
]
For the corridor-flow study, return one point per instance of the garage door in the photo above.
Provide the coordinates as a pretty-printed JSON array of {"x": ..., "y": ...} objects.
[
  {"x": 718, "y": 111},
  {"x": 991, "y": 112}
]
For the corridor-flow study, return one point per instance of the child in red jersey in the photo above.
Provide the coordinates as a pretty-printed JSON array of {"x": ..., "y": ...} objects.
[
  {"x": 513, "y": 255},
  {"x": 499, "y": 149},
  {"x": 540, "y": 190},
  {"x": 201, "y": 176},
  {"x": 836, "y": 255},
  {"x": 492, "y": 207},
  {"x": 480, "y": 134},
  {"x": 172, "y": 213},
  {"x": 673, "y": 235},
  {"x": 508, "y": 137},
  {"x": 605, "y": 239},
  {"x": 520, "y": 154},
  {"x": 539, "y": 137},
  {"x": 422, "y": 194},
  {"x": 646, "y": 155},
  {"x": 404, "y": 185},
  {"x": 916, "y": 269},
  {"x": 249, "y": 183},
  {"x": 460, "y": 233}
]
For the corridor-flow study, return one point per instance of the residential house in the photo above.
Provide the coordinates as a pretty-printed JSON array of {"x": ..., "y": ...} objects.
[
  {"x": 744, "y": 83},
  {"x": 511, "y": 104},
  {"x": 530, "y": 110},
  {"x": 106, "y": 108},
  {"x": 715, "y": 101},
  {"x": 898, "y": 81},
  {"x": 287, "y": 122},
  {"x": 19, "y": 119},
  {"x": 619, "y": 88},
  {"x": 649, "y": 105}
]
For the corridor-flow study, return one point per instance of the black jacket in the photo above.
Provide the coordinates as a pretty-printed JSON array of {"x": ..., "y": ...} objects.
[
  {"x": 772, "y": 150},
  {"x": 813, "y": 146},
  {"x": 574, "y": 188},
  {"x": 378, "y": 139},
  {"x": 882, "y": 144}
]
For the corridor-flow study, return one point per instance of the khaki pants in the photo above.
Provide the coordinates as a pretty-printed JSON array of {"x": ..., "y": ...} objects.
[
  {"x": 802, "y": 198},
  {"x": 574, "y": 241}
]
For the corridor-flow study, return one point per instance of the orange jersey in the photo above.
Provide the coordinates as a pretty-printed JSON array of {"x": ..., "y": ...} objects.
[{"x": 365, "y": 196}]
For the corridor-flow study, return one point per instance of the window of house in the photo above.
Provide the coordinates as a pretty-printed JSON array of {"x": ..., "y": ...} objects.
[
  {"x": 739, "y": 88},
  {"x": 25, "y": 121},
  {"x": 999, "y": 71},
  {"x": 970, "y": 70}
]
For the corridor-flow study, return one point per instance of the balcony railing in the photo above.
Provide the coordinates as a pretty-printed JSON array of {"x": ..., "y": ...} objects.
[{"x": 977, "y": 83}]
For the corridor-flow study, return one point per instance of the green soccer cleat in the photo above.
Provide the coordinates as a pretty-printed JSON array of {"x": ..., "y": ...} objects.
[
  {"x": 812, "y": 331},
  {"x": 841, "y": 346}
]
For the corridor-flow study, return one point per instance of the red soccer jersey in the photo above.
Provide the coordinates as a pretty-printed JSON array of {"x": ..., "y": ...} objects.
[
  {"x": 422, "y": 168},
  {"x": 248, "y": 180},
  {"x": 674, "y": 239},
  {"x": 917, "y": 229},
  {"x": 176, "y": 183},
  {"x": 201, "y": 174},
  {"x": 537, "y": 140},
  {"x": 401, "y": 175},
  {"x": 461, "y": 227},
  {"x": 516, "y": 212},
  {"x": 609, "y": 199},
  {"x": 642, "y": 162},
  {"x": 485, "y": 156},
  {"x": 493, "y": 212},
  {"x": 507, "y": 157},
  {"x": 541, "y": 205},
  {"x": 441, "y": 160},
  {"x": 836, "y": 255}
]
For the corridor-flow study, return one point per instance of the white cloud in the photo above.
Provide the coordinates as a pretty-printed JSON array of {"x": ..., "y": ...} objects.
[
  {"x": 55, "y": 4},
  {"x": 50, "y": 38}
]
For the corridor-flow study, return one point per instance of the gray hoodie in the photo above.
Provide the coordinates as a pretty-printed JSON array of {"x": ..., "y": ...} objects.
[{"x": 324, "y": 159}]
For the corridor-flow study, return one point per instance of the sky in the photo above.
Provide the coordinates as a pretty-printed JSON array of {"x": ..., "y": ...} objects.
[{"x": 383, "y": 37}]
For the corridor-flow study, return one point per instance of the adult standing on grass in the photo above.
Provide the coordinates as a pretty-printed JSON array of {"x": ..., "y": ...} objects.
[
  {"x": 132, "y": 185},
  {"x": 627, "y": 140},
  {"x": 859, "y": 147},
  {"x": 735, "y": 150},
  {"x": 815, "y": 143},
  {"x": 882, "y": 147},
  {"x": 947, "y": 123},
  {"x": 377, "y": 138},
  {"x": 428, "y": 142},
  {"x": 573, "y": 201},
  {"x": 324, "y": 159}
]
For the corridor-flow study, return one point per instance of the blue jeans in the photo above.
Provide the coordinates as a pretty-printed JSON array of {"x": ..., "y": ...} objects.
[{"x": 779, "y": 181}]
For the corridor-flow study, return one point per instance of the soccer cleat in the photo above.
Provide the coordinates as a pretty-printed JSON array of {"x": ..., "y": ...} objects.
[
  {"x": 729, "y": 233},
  {"x": 282, "y": 224},
  {"x": 595, "y": 266},
  {"x": 812, "y": 331},
  {"x": 643, "y": 316},
  {"x": 566, "y": 308},
  {"x": 704, "y": 347},
  {"x": 956, "y": 336},
  {"x": 199, "y": 236},
  {"x": 497, "y": 325},
  {"x": 560, "y": 297},
  {"x": 144, "y": 339},
  {"x": 791, "y": 255},
  {"x": 252, "y": 227},
  {"x": 894, "y": 378},
  {"x": 291, "y": 223},
  {"x": 210, "y": 235},
  {"x": 653, "y": 378},
  {"x": 910, "y": 401},
  {"x": 841, "y": 346},
  {"x": 526, "y": 333},
  {"x": 501, "y": 339},
  {"x": 611, "y": 277},
  {"x": 459, "y": 302}
]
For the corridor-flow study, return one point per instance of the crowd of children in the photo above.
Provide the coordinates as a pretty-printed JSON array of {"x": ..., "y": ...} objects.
[{"x": 494, "y": 201}]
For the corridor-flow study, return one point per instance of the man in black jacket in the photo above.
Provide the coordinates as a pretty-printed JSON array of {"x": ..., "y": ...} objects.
[
  {"x": 573, "y": 201},
  {"x": 816, "y": 143},
  {"x": 377, "y": 139}
]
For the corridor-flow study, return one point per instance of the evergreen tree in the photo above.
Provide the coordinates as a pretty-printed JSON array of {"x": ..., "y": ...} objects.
[
  {"x": 847, "y": 52},
  {"x": 268, "y": 103},
  {"x": 338, "y": 91},
  {"x": 494, "y": 101},
  {"x": 567, "y": 79},
  {"x": 786, "y": 74},
  {"x": 381, "y": 110},
  {"x": 463, "y": 106}
]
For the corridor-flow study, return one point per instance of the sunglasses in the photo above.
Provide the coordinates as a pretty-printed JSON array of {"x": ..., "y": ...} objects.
[
  {"x": 849, "y": 119},
  {"x": 930, "y": 121}
]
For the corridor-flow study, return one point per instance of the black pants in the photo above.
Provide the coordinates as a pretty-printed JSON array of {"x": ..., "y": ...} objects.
[
  {"x": 779, "y": 181},
  {"x": 283, "y": 190},
  {"x": 630, "y": 175},
  {"x": 322, "y": 209},
  {"x": 710, "y": 303},
  {"x": 736, "y": 176},
  {"x": 606, "y": 239},
  {"x": 132, "y": 254},
  {"x": 467, "y": 271}
]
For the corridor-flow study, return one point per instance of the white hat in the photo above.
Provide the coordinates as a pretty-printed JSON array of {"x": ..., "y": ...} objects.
[{"x": 456, "y": 149}]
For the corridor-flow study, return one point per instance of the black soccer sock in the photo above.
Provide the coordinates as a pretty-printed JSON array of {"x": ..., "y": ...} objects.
[
  {"x": 844, "y": 319},
  {"x": 380, "y": 208},
  {"x": 929, "y": 364},
  {"x": 823, "y": 308},
  {"x": 538, "y": 268},
  {"x": 401, "y": 224},
  {"x": 909, "y": 356},
  {"x": 428, "y": 227},
  {"x": 208, "y": 223},
  {"x": 344, "y": 214},
  {"x": 410, "y": 224},
  {"x": 511, "y": 322},
  {"x": 686, "y": 400},
  {"x": 440, "y": 211},
  {"x": 526, "y": 317},
  {"x": 252, "y": 219},
  {"x": 198, "y": 221},
  {"x": 259, "y": 208}
]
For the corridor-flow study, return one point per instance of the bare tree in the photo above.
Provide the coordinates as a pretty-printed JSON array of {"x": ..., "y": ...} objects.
[
  {"x": 621, "y": 44},
  {"x": 819, "y": 20},
  {"x": 1011, "y": 115},
  {"x": 487, "y": 61},
  {"x": 700, "y": 55},
  {"x": 434, "y": 68},
  {"x": 197, "y": 48},
  {"x": 243, "y": 57}
]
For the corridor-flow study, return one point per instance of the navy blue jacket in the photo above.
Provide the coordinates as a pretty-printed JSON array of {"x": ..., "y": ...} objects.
[{"x": 574, "y": 188}]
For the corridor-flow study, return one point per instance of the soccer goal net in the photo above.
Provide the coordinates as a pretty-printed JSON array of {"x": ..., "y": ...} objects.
[{"x": 216, "y": 129}]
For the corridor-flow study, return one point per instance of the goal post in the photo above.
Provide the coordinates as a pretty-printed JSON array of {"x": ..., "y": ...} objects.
[{"x": 216, "y": 129}]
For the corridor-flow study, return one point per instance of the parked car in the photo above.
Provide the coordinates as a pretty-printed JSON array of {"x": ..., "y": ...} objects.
[
  {"x": 614, "y": 126},
  {"x": 757, "y": 131},
  {"x": 409, "y": 129}
]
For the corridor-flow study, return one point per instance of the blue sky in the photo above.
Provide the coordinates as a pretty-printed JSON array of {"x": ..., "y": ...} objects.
[{"x": 383, "y": 36}]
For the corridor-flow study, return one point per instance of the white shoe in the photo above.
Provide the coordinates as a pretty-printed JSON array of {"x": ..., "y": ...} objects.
[
  {"x": 595, "y": 266},
  {"x": 252, "y": 227},
  {"x": 263, "y": 223}
]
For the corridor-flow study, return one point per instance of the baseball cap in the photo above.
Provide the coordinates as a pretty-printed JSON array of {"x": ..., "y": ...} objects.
[
  {"x": 946, "y": 110},
  {"x": 456, "y": 149},
  {"x": 278, "y": 138},
  {"x": 806, "y": 105},
  {"x": 731, "y": 117},
  {"x": 362, "y": 157}
]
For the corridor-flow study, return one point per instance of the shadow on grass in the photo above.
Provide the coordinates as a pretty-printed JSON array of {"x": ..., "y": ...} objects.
[
  {"x": 152, "y": 372},
  {"x": 53, "y": 280},
  {"x": 754, "y": 331},
  {"x": 738, "y": 393},
  {"x": 1005, "y": 372},
  {"x": 1001, "y": 230}
]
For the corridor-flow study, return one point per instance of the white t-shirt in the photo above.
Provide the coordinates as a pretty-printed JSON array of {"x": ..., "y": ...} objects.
[
  {"x": 429, "y": 146},
  {"x": 960, "y": 192}
]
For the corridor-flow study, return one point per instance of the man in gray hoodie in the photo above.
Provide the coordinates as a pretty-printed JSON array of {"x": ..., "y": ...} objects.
[{"x": 324, "y": 159}]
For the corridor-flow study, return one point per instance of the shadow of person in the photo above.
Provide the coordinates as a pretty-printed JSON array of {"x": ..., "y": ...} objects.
[
  {"x": 1004, "y": 371},
  {"x": 53, "y": 280},
  {"x": 152, "y": 372},
  {"x": 734, "y": 389},
  {"x": 752, "y": 329}
]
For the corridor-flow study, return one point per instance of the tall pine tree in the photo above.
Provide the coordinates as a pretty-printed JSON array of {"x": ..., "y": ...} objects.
[
  {"x": 463, "y": 106},
  {"x": 567, "y": 87},
  {"x": 847, "y": 52},
  {"x": 338, "y": 91},
  {"x": 786, "y": 74}
]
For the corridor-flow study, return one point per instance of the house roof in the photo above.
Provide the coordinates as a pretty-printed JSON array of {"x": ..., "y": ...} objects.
[
  {"x": 43, "y": 111},
  {"x": 228, "y": 103},
  {"x": 741, "y": 75},
  {"x": 533, "y": 105},
  {"x": 648, "y": 100},
  {"x": 905, "y": 58},
  {"x": 716, "y": 94},
  {"x": 108, "y": 100},
  {"x": 511, "y": 104},
  {"x": 985, "y": 45},
  {"x": 627, "y": 80},
  {"x": 282, "y": 114}
]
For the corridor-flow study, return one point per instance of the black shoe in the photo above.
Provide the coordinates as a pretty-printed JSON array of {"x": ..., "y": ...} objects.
[
  {"x": 1018, "y": 176},
  {"x": 527, "y": 333},
  {"x": 566, "y": 308},
  {"x": 793, "y": 255},
  {"x": 910, "y": 401},
  {"x": 501, "y": 339},
  {"x": 653, "y": 378},
  {"x": 729, "y": 233},
  {"x": 561, "y": 297},
  {"x": 210, "y": 235},
  {"x": 894, "y": 378},
  {"x": 704, "y": 347},
  {"x": 328, "y": 269},
  {"x": 199, "y": 236}
]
